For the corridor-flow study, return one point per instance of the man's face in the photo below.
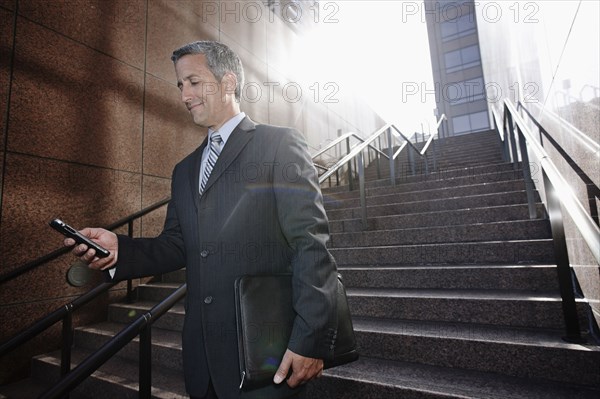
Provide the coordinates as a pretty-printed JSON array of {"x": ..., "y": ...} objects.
[{"x": 205, "y": 98}]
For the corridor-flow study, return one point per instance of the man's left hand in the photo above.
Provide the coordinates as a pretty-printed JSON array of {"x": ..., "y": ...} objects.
[{"x": 303, "y": 368}]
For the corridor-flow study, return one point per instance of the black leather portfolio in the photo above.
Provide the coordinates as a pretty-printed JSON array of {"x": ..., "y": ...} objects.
[{"x": 265, "y": 318}]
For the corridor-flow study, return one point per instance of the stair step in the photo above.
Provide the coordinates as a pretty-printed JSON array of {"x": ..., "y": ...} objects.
[
  {"x": 490, "y": 252},
  {"x": 166, "y": 344},
  {"x": 498, "y": 231},
  {"x": 514, "y": 277},
  {"x": 117, "y": 378},
  {"x": 425, "y": 195},
  {"x": 518, "y": 352},
  {"x": 128, "y": 312},
  {"x": 155, "y": 291},
  {"x": 385, "y": 379},
  {"x": 433, "y": 182},
  {"x": 434, "y": 175},
  {"x": 438, "y": 218},
  {"x": 533, "y": 309},
  {"x": 432, "y": 205}
]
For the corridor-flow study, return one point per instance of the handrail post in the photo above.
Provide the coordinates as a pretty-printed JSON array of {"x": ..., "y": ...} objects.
[
  {"x": 510, "y": 134},
  {"x": 363, "y": 194},
  {"x": 391, "y": 156},
  {"x": 411, "y": 160},
  {"x": 378, "y": 159},
  {"x": 129, "y": 282},
  {"x": 561, "y": 254},
  {"x": 529, "y": 186},
  {"x": 145, "y": 362},
  {"x": 351, "y": 186},
  {"x": 67, "y": 340}
]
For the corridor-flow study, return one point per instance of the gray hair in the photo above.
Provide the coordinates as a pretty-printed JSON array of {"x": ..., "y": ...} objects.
[{"x": 220, "y": 59}]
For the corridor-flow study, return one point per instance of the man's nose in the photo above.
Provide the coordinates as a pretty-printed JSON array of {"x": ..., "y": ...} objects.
[{"x": 186, "y": 94}]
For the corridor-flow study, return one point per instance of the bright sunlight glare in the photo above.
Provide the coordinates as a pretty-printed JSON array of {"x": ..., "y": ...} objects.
[{"x": 378, "y": 50}]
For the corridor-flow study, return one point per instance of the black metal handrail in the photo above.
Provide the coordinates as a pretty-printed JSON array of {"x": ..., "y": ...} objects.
[
  {"x": 355, "y": 153},
  {"x": 65, "y": 312},
  {"x": 518, "y": 142},
  {"x": 142, "y": 327},
  {"x": 61, "y": 251},
  {"x": 62, "y": 313}
]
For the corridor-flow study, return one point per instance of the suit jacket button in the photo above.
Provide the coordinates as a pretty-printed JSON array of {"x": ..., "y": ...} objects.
[
  {"x": 208, "y": 300},
  {"x": 204, "y": 253}
]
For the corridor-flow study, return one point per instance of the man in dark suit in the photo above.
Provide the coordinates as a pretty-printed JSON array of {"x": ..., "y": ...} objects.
[{"x": 247, "y": 201}]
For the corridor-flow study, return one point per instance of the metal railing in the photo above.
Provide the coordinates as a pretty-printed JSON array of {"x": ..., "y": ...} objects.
[
  {"x": 518, "y": 142},
  {"x": 128, "y": 220},
  {"x": 142, "y": 326},
  {"x": 351, "y": 167},
  {"x": 356, "y": 153},
  {"x": 65, "y": 312}
]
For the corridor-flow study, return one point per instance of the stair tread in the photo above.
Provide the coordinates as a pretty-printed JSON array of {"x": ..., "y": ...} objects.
[
  {"x": 161, "y": 337},
  {"x": 549, "y": 338},
  {"x": 499, "y": 223},
  {"x": 166, "y": 383},
  {"x": 459, "y": 294},
  {"x": 441, "y": 267},
  {"x": 447, "y": 243},
  {"x": 455, "y": 383},
  {"x": 147, "y": 305},
  {"x": 444, "y": 211},
  {"x": 433, "y": 199}
]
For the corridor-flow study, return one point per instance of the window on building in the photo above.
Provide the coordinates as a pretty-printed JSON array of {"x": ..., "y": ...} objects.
[
  {"x": 460, "y": 26},
  {"x": 469, "y": 123},
  {"x": 464, "y": 92},
  {"x": 463, "y": 58}
]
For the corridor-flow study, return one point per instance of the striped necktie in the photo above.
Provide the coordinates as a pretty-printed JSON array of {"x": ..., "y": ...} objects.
[{"x": 214, "y": 149}]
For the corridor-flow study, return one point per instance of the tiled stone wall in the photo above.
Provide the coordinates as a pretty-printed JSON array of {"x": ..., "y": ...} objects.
[{"x": 91, "y": 125}]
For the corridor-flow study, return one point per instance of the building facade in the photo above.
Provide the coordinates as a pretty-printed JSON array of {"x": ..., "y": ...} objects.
[{"x": 456, "y": 64}]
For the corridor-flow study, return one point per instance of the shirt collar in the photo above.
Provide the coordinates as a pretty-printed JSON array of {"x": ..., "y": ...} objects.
[{"x": 227, "y": 128}]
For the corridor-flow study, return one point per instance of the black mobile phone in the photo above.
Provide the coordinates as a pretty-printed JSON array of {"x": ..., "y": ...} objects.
[{"x": 79, "y": 238}]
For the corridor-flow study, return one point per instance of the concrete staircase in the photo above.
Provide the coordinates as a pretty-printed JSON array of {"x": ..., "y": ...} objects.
[{"x": 452, "y": 288}]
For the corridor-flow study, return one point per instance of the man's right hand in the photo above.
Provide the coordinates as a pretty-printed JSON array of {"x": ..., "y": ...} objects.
[{"x": 105, "y": 238}]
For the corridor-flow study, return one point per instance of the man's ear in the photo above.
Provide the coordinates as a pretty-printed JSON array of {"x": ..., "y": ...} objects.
[{"x": 229, "y": 82}]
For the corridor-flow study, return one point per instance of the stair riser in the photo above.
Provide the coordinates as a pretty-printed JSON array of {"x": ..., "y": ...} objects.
[
  {"x": 403, "y": 163},
  {"x": 479, "y": 189},
  {"x": 404, "y": 168},
  {"x": 433, "y": 182},
  {"x": 527, "y": 361},
  {"x": 176, "y": 277},
  {"x": 330, "y": 387},
  {"x": 515, "y": 313},
  {"x": 472, "y": 233},
  {"x": 441, "y": 173},
  {"x": 169, "y": 321},
  {"x": 530, "y": 279},
  {"x": 163, "y": 356},
  {"x": 91, "y": 387},
  {"x": 153, "y": 293},
  {"x": 539, "y": 252},
  {"x": 432, "y": 205},
  {"x": 431, "y": 219}
]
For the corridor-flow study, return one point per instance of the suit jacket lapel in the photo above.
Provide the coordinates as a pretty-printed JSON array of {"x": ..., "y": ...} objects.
[
  {"x": 238, "y": 139},
  {"x": 195, "y": 172}
]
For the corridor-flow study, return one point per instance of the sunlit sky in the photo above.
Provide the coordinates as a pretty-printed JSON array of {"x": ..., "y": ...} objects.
[{"x": 379, "y": 50}]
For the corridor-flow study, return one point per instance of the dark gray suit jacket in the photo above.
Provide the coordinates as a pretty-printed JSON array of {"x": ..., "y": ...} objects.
[{"x": 261, "y": 212}]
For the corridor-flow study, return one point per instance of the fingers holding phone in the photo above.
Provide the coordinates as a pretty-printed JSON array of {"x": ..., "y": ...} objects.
[
  {"x": 94, "y": 246},
  {"x": 89, "y": 254}
]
